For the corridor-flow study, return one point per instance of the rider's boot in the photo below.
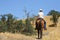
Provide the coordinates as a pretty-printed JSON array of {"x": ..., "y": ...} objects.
[{"x": 45, "y": 26}]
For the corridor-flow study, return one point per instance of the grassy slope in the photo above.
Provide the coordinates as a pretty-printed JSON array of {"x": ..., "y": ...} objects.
[{"x": 52, "y": 33}]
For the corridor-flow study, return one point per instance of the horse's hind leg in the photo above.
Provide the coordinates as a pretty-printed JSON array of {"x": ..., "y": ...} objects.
[{"x": 40, "y": 33}]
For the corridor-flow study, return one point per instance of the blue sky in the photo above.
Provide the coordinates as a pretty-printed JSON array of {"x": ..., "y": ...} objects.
[{"x": 16, "y": 7}]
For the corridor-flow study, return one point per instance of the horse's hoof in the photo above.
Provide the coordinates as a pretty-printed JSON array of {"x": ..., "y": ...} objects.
[
  {"x": 37, "y": 38},
  {"x": 40, "y": 37}
]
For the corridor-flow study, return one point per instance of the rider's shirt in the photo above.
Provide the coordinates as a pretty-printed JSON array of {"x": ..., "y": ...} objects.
[{"x": 41, "y": 15}]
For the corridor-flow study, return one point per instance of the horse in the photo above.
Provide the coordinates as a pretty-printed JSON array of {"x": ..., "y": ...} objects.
[{"x": 39, "y": 27}]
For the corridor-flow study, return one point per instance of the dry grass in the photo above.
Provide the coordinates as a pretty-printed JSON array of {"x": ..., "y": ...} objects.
[
  {"x": 10, "y": 36},
  {"x": 52, "y": 33},
  {"x": 48, "y": 35}
]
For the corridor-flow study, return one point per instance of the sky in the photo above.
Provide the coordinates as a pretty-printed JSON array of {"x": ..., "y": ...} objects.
[{"x": 17, "y": 7}]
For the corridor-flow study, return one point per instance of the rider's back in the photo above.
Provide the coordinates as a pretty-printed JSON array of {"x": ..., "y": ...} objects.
[{"x": 40, "y": 15}]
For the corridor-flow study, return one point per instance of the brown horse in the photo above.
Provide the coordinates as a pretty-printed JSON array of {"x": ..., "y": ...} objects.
[{"x": 39, "y": 27}]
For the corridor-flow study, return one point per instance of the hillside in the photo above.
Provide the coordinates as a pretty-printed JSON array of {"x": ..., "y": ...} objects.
[{"x": 52, "y": 33}]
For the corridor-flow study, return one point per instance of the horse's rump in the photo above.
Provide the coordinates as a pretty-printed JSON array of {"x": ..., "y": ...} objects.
[{"x": 38, "y": 24}]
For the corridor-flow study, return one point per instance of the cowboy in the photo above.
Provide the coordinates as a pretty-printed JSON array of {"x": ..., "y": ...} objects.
[{"x": 41, "y": 16}]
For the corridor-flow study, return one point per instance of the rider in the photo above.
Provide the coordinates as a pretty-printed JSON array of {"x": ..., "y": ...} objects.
[{"x": 41, "y": 15}]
